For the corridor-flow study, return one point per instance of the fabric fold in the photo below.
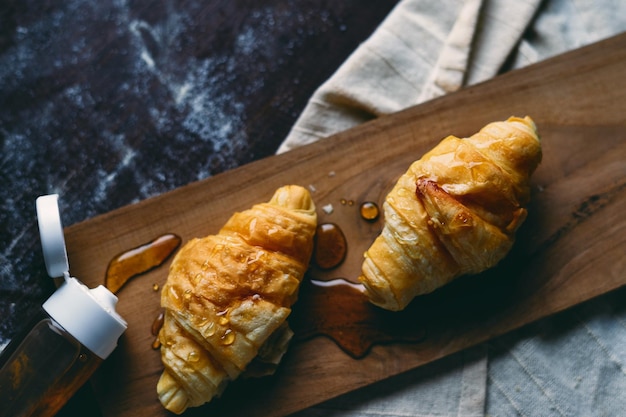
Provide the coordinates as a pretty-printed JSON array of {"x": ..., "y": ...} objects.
[
  {"x": 422, "y": 49},
  {"x": 451, "y": 68}
]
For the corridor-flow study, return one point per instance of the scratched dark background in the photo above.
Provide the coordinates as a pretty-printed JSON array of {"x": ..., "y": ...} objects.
[{"x": 111, "y": 102}]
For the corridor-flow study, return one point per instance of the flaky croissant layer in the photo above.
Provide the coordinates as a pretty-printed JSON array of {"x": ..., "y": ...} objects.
[
  {"x": 454, "y": 212},
  {"x": 227, "y": 298}
]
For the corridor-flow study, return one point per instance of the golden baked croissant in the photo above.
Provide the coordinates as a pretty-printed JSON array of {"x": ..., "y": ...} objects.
[
  {"x": 227, "y": 297},
  {"x": 454, "y": 212}
]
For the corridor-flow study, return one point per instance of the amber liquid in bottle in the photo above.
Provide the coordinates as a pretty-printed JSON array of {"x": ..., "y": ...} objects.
[{"x": 43, "y": 370}]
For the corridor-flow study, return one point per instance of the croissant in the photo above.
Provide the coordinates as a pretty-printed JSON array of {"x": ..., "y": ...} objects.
[
  {"x": 454, "y": 212},
  {"x": 227, "y": 298}
]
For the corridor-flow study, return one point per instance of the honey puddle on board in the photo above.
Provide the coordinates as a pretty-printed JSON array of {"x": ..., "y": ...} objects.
[
  {"x": 330, "y": 246},
  {"x": 339, "y": 310},
  {"x": 136, "y": 261}
]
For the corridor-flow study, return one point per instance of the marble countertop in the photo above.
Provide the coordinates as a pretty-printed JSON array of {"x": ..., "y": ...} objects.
[{"x": 111, "y": 102}]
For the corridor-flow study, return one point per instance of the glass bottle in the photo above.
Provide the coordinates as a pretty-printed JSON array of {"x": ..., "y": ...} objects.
[{"x": 75, "y": 331}]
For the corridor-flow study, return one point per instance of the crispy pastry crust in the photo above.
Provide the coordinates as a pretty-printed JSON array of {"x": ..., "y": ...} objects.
[
  {"x": 227, "y": 294},
  {"x": 454, "y": 212}
]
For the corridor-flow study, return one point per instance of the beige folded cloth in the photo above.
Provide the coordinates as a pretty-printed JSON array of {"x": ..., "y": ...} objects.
[
  {"x": 423, "y": 49},
  {"x": 427, "y": 48}
]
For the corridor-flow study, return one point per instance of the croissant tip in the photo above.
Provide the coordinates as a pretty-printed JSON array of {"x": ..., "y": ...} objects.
[
  {"x": 526, "y": 120},
  {"x": 293, "y": 197},
  {"x": 171, "y": 395}
]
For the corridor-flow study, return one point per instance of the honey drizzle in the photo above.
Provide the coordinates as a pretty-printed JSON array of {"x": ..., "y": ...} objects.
[{"x": 139, "y": 260}]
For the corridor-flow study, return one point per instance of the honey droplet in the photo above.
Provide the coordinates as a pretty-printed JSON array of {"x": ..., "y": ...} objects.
[
  {"x": 155, "y": 287},
  {"x": 344, "y": 202},
  {"x": 209, "y": 330},
  {"x": 156, "y": 344},
  {"x": 369, "y": 211},
  {"x": 205, "y": 265},
  {"x": 139, "y": 260},
  {"x": 228, "y": 338},
  {"x": 157, "y": 323},
  {"x": 193, "y": 356},
  {"x": 196, "y": 279},
  {"x": 223, "y": 318},
  {"x": 330, "y": 246}
]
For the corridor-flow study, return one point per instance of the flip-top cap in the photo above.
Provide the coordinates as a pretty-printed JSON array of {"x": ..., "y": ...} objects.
[
  {"x": 88, "y": 315},
  {"x": 51, "y": 234}
]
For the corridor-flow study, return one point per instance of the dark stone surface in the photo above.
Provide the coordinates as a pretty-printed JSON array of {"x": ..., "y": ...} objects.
[{"x": 110, "y": 102}]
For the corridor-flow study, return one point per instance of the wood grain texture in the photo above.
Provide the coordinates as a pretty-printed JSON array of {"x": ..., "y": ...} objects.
[{"x": 569, "y": 250}]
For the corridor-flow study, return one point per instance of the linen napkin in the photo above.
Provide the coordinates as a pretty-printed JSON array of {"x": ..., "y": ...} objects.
[
  {"x": 424, "y": 49},
  {"x": 421, "y": 50}
]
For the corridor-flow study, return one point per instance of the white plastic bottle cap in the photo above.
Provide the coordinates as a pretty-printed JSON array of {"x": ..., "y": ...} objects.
[{"x": 88, "y": 315}]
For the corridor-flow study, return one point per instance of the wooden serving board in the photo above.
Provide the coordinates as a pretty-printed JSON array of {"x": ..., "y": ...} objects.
[{"x": 570, "y": 249}]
